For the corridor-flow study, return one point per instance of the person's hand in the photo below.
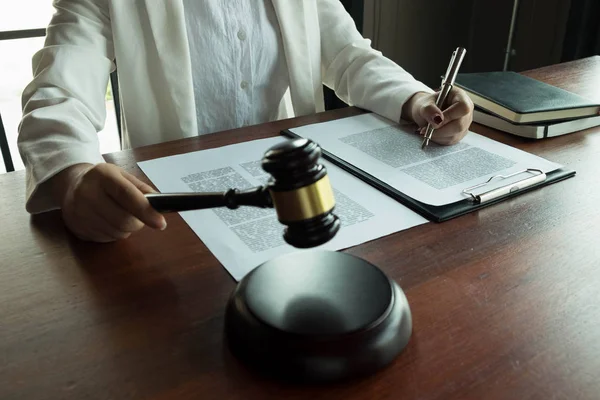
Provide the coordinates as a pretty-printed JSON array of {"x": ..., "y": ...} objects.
[
  {"x": 451, "y": 125},
  {"x": 103, "y": 203}
]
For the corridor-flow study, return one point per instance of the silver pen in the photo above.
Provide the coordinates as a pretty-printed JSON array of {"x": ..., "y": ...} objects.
[{"x": 447, "y": 84}]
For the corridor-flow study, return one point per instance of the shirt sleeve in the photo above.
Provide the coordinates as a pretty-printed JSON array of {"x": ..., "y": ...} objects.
[
  {"x": 360, "y": 75},
  {"x": 64, "y": 105}
]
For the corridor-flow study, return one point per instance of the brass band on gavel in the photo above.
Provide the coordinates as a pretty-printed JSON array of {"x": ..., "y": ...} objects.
[{"x": 305, "y": 202}]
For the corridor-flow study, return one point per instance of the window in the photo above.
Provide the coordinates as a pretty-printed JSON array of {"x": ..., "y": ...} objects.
[{"x": 27, "y": 19}]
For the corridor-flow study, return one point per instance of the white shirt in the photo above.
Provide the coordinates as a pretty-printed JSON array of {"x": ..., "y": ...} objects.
[
  {"x": 239, "y": 68},
  {"x": 64, "y": 107}
]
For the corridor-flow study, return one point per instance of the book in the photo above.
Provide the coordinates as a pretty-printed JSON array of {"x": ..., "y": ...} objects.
[
  {"x": 521, "y": 99},
  {"x": 535, "y": 131}
]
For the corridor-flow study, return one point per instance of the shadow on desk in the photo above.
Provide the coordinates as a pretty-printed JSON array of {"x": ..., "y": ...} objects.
[{"x": 145, "y": 330}]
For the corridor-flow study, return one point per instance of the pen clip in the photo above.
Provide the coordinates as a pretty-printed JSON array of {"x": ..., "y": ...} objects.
[
  {"x": 457, "y": 58},
  {"x": 452, "y": 59}
]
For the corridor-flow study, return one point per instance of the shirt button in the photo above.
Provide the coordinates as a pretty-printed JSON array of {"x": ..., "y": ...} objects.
[
  {"x": 241, "y": 35},
  {"x": 244, "y": 85}
]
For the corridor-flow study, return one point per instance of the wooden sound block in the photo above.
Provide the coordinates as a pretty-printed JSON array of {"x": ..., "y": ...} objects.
[{"x": 317, "y": 316}]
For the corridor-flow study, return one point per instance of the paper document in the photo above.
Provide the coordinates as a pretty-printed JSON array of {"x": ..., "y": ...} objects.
[
  {"x": 244, "y": 238},
  {"x": 436, "y": 175}
]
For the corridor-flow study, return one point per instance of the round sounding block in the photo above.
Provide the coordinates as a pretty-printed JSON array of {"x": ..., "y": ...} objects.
[{"x": 317, "y": 316}]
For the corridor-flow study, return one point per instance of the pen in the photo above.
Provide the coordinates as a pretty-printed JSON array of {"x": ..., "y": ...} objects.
[{"x": 447, "y": 84}]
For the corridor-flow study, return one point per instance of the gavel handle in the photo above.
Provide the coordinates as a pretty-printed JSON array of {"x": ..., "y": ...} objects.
[{"x": 233, "y": 198}]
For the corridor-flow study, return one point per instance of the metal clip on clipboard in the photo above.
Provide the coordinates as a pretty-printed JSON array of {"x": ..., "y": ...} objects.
[{"x": 538, "y": 176}]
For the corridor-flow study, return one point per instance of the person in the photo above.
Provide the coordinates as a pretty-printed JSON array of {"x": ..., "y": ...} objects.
[{"x": 186, "y": 68}]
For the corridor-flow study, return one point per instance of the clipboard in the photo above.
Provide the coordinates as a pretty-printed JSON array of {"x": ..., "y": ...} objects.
[{"x": 473, "y": 200}]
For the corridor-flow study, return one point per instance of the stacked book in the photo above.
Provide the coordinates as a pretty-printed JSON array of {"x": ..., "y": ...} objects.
[{"x": 526, "y": 107}]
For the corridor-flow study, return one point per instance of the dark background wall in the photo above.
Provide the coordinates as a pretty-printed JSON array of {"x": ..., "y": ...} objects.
[
  {"x": 582, "y": 36},
  {"x": 420, "y": 35}
]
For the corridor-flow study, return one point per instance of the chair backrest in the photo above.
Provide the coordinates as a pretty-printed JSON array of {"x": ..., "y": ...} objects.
[
  {"x": 356, "y": 10},
  {"x": 114, "y": 87},
  {"x": 14, "y": 35},
  {"x": 4, "y": 149}
]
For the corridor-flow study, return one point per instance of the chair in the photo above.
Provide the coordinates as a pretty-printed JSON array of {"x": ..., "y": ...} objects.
[
  {"x": 356, "y": 10},
  {"x": 5, "y": 150},
  {"x": 114, "y": 87}
]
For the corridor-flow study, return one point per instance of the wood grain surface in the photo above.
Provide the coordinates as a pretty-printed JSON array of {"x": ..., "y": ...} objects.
[{"x": 505, "y": 301}]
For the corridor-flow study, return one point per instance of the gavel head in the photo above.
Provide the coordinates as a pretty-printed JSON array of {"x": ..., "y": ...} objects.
[{"x": 301, "y": 193}]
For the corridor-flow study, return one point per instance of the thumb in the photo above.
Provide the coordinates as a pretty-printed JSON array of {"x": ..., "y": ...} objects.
[{"x": 432, "y": 114}]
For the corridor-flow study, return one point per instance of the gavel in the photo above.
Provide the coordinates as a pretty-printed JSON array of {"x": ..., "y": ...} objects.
[
  {"x": 316, "y": 315},
  {"x": 298, "y": 188}
]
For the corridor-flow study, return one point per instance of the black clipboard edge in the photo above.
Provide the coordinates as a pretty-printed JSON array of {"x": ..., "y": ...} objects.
[{"x": 434, "y": 213}]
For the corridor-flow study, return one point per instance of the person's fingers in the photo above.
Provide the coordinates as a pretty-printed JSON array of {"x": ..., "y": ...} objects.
[
  {"x": 116, "y": 216},
  {"x": 452, "y": 132},
  {"x": 78, "y": 229},
  {"x": 460, "y": 104},
  {"x": 88, "y": 226},
  {"x": 75, "y": 212},
  {"x": 129, "y": 197},
  {"x": 142, "y": 186},
  {"x": 457, "y": 119},
  {"x": 456, "y": 111},
  {"x": 100, "y": 237},
  {"x": 101, "y": 230},
  {"x": 453, "y": 128},
  {"x": 431, "y": 113},
  {"x": 104, "y": 205}
]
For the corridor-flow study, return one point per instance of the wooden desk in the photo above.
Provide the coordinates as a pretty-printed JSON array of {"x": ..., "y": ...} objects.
[{"x": 505, "y": 301}]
